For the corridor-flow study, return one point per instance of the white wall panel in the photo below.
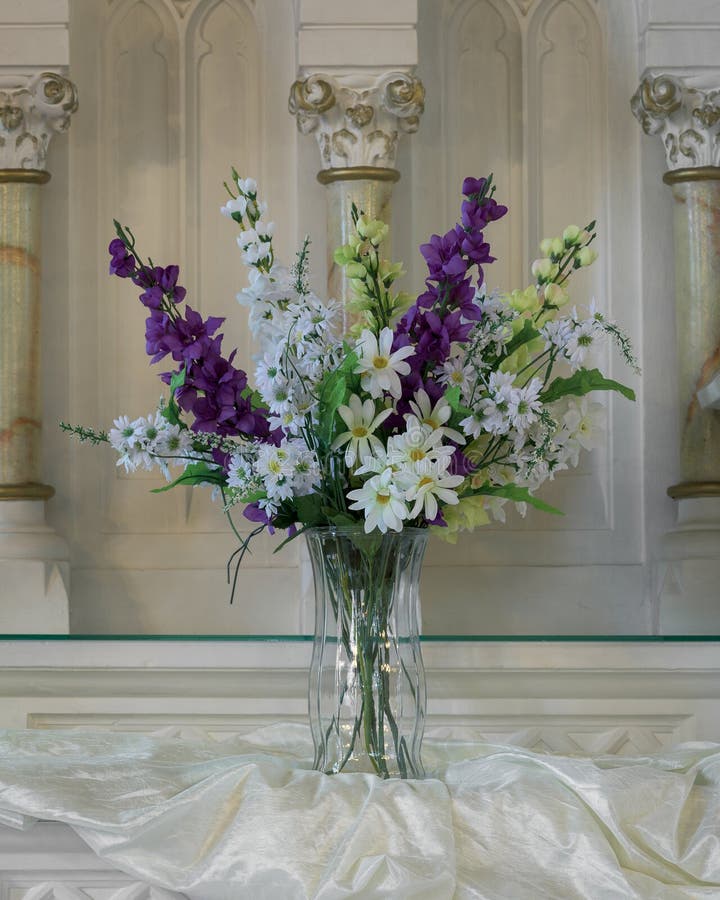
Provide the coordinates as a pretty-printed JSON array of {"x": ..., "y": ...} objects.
[{"x": 172, "y": 94}]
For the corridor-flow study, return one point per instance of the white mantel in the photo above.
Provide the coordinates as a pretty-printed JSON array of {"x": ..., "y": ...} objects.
[
  {"x": 595, "y": 697},
  {"x": 569, "y": 696}
]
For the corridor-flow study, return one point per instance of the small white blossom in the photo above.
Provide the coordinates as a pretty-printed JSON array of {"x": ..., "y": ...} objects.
[
  {"x": 382, "y": 502},
  {"x": 379, "y": 368},
  {"x": 525, "y": 405},
  {"x": 361, "y": 421},
  {"x": 427, "y": 483},
  {"x": 434, "y": 416}
]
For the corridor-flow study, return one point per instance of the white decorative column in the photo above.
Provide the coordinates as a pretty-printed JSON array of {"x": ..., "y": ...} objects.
[
  {"x": 685, "y": 112},
  {"x": 357, "y": 94},
  {"x": 33, "y": 559},
  {"x": 357, "y": 122}
]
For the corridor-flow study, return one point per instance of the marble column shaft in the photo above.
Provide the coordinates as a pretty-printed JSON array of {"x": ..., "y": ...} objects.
[
  {"x": 685, "y": 113},
  {"x": 19, "y": 331},
  {"x": 32, "y": 109},
  {"x": 696, "y": 222}
]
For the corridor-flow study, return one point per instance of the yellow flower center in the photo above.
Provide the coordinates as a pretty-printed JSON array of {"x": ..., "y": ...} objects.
[
  {"x": 416, "y": 455},
  {"x": 274, "y": 467},
  {"x": 359, "y": 431},
  {"x": 424, "y": 480},
  {"x": 380, "y": 362},
  {"x": 382, "y": 499},
  {"x": 431, "y": 422},
  {"x": 457, "y": 377}
]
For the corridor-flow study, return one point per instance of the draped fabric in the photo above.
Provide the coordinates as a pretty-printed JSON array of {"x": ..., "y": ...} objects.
[{"x": 247, "y": 818}]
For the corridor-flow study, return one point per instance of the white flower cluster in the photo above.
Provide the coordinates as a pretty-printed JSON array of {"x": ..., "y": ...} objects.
[
  {"x": 278, "y": 473},
  {"x": 151, "y": 441},
  {"x": 410, "y": 475},
  {"x": 506, "y": 409},
  {"x": 300, "y": 348},
  {"x": 552, "y": 444},
  {"x": 255, "y": 240},
  {"x": 574, "y": 337}
]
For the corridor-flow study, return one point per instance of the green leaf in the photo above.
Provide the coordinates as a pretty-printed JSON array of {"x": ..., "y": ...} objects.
[
  {"x": 339, "y": 519},
  {"x": 516, "y": 494},
  {"x": 582, "y": 382},
  {"x": 309, "y": 510},
  {"x": 332, "y": 395},
  {"x": 256, "y": 401},
  {"x": 525, "y": 335},
  {"x": 177, "y": 380},
  {"x": 347, "y": 366},
  {"x": 452, "y": 395},
  {"x": 195, "y": 473}
]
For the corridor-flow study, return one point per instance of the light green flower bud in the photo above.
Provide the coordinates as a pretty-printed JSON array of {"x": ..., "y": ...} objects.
[
  {"x": 586, "y": 256},
  {"x": 546, "y": 246},
  {"x": 343, "y": 255},
  {"x": 372, "y": 230},
  {"x": 571, "y": 235},
  {"x": 389, "y": 272},
  {"x": 524, "y": 301},
  {"x": 556, "y": 294},
  {"x": 544, "y": 270},
  {"x": 355, "y": 270},
  {"x": 557, "y": 247}
]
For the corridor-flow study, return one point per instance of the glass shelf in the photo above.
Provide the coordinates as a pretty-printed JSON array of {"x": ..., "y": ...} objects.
[{"x": 427, "y": 639}]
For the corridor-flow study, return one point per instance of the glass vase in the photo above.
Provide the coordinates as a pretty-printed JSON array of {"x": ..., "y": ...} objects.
[{"x": 367, "y": 692}]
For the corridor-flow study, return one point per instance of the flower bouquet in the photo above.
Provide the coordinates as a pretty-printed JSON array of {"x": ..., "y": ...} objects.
[{"x": 426, "y": 415}]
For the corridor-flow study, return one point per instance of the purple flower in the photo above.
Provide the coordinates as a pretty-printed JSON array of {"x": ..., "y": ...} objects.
[
  {"x": 159, "y": 283},
  {"x": 473, "y": 186},
  {"x": 253, "y": 512},
  {"x": 167, "y": 279},
  {"x": 157, "y": 328},
  {"x": 122, "y": 263},
  {"x": 190, "y": 337},
  {"x": 443, "y": 256}
]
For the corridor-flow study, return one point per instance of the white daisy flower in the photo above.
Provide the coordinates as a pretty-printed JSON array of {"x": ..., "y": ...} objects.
[
  {"x": 427, "y": 484},
  {"x": 378, "y": 367},
  {"x": 457, "y": 374},
  {"x": 434, "y": 416},
  {"x": 580, "y": 342},
  {"x": 173, "y": 444},
  {"x": 525, "y": 405},
  {"x": 124, "y": 435},
  {"x": 418, "y": 444},
  {"x": 361, "y": 421},
  {"x": 382, "y": 502}
]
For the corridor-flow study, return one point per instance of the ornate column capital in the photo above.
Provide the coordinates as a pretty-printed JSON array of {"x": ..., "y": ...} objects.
[
  {"x": 357, "y": 124},
  {"x": 30, "y": 113},
  {"x": 685, "y": 115}
]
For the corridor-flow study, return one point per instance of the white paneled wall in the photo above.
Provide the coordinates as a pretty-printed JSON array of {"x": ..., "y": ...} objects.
[
  {"x": 537, "y": 92},
  {"x": 175, "y": 91}
]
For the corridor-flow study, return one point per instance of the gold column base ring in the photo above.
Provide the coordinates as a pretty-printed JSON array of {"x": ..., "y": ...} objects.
[
  {"x": 689, "y": 489},
  {"x": 29, "y": 491},
  {"x": 358, "y": 173}
]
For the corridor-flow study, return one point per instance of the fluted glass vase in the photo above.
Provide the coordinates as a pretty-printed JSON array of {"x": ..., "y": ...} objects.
[{"x": 367, "y": 682}]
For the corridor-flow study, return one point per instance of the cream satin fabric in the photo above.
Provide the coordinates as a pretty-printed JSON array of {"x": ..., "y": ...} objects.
[{"x": 245, "y": 819}]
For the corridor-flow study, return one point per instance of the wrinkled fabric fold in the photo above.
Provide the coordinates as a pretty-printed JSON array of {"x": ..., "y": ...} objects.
[{"x": 246, "y": 817}]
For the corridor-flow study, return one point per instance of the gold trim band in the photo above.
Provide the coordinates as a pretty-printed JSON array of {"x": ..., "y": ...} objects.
[
  {"x": 24, "y": 176},
  {"x": 28, "y": 491},
  {"x": 358, "y": 173},
  {"x": 694, "y": 489},
  {"x": 701, "y": 173}
]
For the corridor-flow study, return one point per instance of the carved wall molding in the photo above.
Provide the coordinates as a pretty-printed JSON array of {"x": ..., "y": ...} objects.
[
  {"x": 30, "y": 113},
  {"x": 357, "y": 124},
  {"x": 687, "y": 117}
]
